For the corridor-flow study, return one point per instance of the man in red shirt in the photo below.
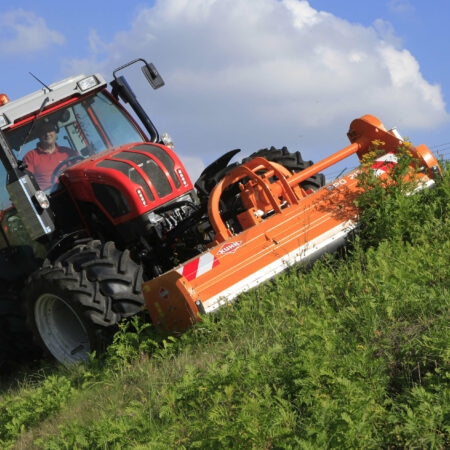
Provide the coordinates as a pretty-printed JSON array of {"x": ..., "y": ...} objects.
[{"x": 44, "y": 159}]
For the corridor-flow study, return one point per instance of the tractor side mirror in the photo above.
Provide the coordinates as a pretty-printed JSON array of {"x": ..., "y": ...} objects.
[
  {"x": 120, "y": 88},
  {"x": 152, "y": 75}
]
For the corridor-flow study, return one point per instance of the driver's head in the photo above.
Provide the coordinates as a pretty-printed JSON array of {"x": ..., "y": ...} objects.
[{"x": 48, "y": 133}]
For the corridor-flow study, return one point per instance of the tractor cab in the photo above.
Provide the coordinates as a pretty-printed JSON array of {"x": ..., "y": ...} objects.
[
  {"x": 106, "y": 175},
  {"x": 85, "y": 126}
]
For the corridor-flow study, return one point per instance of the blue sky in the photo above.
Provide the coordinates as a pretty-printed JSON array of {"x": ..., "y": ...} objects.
[{"x": 249, "y": 73}]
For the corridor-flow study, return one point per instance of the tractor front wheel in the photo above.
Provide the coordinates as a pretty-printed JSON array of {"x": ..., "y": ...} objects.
[{"x": 75, "y": 302}]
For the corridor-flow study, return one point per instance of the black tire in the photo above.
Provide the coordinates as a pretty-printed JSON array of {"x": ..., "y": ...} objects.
[
  {"x": 16, "y": 338},
  {"x": 75, "y": 302},
  {"x": 292, "y": 161},
  {"x": 117, "y": 275},
  {"x": 230, "y": 201}
]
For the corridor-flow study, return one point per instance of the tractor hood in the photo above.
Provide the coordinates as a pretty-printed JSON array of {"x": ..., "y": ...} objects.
[{"x": 128, "y": 181}]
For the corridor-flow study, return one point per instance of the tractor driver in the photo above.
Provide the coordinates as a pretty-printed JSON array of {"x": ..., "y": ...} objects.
[{"x": 43, "y": 160}]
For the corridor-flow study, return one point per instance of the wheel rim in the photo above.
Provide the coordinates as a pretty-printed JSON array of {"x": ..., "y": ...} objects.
[{"x": 61, "y": 329}]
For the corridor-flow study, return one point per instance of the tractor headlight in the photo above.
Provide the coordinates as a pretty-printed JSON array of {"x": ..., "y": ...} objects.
[
  {"x": 87, "y": 83},
  {"x": 141, "y": 196},
  {"x": 42, "y": 199},
  {"x": 183, "y": 178}
]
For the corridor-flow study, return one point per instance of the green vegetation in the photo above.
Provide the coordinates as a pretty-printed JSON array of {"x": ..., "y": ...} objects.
[{"x": 352, "y": 353}]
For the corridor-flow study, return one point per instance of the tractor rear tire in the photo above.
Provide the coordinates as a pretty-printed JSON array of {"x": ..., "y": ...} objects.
[
  {"x": 230, "y": 202},
  {"x": 292, "y": 161},
  {"x": 75, "y": 302}
]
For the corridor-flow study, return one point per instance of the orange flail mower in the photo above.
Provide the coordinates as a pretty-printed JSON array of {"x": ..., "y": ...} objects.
[{"x": 282, "y": 224}]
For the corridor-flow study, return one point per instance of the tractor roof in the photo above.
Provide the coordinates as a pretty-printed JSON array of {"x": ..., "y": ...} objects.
[{"x": 15, "y": 110}]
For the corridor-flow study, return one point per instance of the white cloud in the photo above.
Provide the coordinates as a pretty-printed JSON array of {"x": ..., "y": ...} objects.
[
  {"x": 386, "y": 32},
  {"x": 400, "y": 6},
  {"x": 25, "y": 32},
  {"x": 252, "y": 73},
  {"x": 304, "y": 15}
]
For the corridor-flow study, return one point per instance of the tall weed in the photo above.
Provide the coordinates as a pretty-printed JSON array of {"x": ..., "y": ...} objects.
[{"x": 31, "y": 406}]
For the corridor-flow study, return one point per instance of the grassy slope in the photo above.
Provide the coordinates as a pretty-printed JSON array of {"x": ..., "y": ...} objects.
[{"x": 353, "y": 353}]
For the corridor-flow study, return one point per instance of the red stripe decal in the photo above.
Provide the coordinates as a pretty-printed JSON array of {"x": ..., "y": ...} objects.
[
  {"x": 383, "y": 165},
  {"x": 190, "y": 270}
]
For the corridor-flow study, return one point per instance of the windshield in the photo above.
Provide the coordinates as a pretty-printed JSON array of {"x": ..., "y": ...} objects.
[{"x": 90, "y": 126}]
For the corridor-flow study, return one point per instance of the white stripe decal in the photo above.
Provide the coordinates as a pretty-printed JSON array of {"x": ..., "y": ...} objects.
[
  {"x": 390, "y": 157},
  {"x": 205, "y": 264}
]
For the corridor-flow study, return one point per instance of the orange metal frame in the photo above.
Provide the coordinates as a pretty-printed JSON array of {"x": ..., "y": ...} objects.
[{"x": 297, "y": 228}]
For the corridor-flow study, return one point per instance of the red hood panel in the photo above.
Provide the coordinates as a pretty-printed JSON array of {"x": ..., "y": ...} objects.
[{"x": 146, "y": 175}]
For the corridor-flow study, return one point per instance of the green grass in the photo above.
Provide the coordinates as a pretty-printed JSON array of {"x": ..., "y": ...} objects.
[{"x": 353, "y": 353}]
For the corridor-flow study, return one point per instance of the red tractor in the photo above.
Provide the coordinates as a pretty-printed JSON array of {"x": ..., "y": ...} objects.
[{"x": 120, "y": 210}]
